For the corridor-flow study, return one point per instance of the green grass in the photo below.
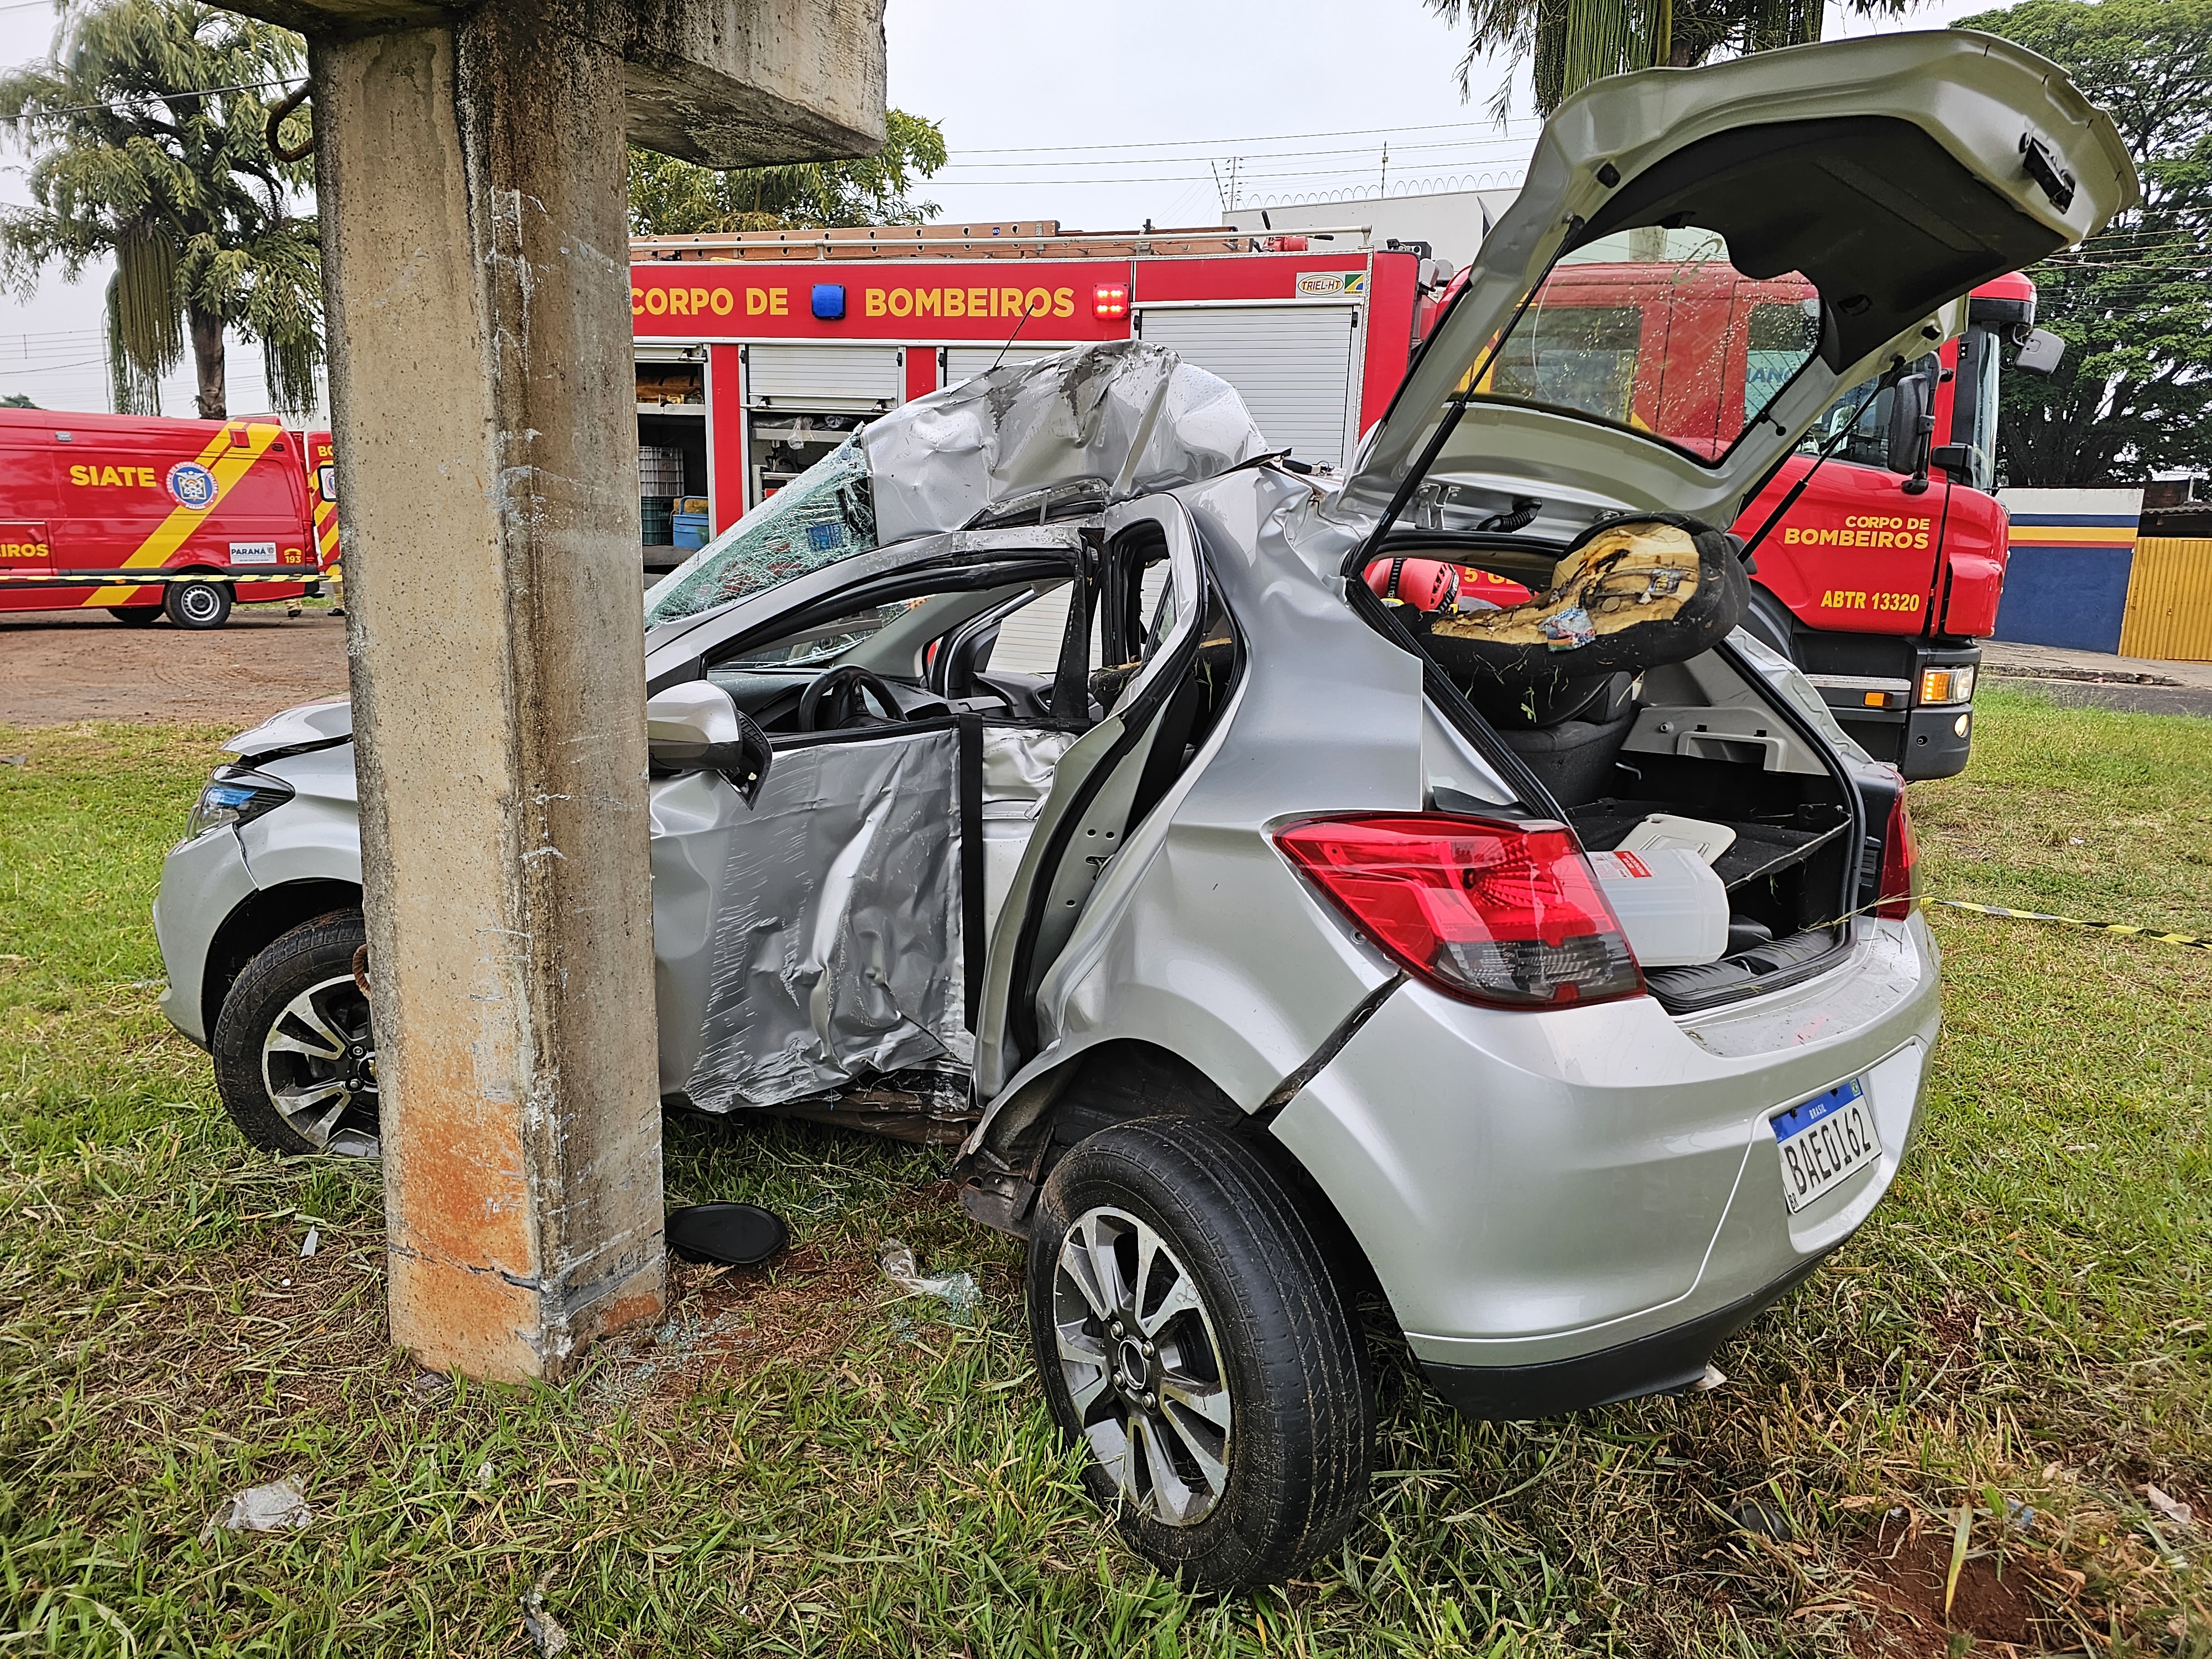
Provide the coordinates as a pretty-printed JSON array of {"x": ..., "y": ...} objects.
[{"x": 801, "y": 1464}]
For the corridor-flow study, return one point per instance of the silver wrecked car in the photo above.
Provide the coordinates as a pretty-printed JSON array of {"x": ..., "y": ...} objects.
[{"x": 1268, "y": 908}]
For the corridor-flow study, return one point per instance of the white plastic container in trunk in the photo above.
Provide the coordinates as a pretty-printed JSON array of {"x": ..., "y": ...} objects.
[{"x": 1672, "y": 907}]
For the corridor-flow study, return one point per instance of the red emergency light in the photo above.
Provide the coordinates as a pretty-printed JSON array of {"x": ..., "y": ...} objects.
[{"x": 1110, "y": 300}]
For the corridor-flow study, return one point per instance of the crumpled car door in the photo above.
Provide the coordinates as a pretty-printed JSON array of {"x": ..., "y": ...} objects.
[{"x": 1100, "y": 788}]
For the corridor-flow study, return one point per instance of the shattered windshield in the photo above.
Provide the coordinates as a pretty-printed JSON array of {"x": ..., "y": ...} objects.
[
  {"x": 824, "y": 514},
  {"x": 1657, "y": 331}
]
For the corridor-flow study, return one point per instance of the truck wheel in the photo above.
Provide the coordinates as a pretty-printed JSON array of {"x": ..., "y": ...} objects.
[
  {"x": 1191, "y": 1336},
  {"x": 294, "y": 1058},
  {"x": 1767, "y": 619},
  {"x": 136, "y": 616},
  {"x": 197, "y": 604}
]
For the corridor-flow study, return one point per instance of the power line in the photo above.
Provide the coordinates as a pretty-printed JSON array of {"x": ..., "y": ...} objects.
[
  {"x": 1519, "y": 144},
  {"x": 1268, "y": 138},
  {"x": 124, "y": 105}
]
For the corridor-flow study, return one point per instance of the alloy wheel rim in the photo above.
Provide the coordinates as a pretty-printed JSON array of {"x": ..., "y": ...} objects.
[
  {"x": 1138, "y": 1351},
  {"x": 319, "y": 1065}
]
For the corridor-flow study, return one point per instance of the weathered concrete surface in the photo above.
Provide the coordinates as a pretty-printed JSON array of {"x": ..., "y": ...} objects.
[
  {"x": 472, "y": 189},
  {"x": 471, "y": 168},
  {"x": 728, "y": 82}
]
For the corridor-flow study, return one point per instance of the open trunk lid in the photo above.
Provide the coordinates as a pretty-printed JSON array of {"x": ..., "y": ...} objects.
[{"x": 1776, "y": 228}]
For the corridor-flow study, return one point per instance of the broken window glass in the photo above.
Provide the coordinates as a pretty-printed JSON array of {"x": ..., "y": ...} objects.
[{"x": 826, "y": 514}]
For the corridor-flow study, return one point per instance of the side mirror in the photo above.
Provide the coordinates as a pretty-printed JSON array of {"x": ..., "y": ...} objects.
[
  {"x": 1911, "y": 423},
  {"x": 2039, "y": 352},
  {"x": 1957, "y": 459},
  {"x": 696, "y": 726}
]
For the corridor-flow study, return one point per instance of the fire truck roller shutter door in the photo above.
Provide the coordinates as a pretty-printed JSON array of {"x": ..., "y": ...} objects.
[
  {"x": 823, "y": 377},
  {"x": 966, "y": 362},
  {"x": 1292, "y": 365}
]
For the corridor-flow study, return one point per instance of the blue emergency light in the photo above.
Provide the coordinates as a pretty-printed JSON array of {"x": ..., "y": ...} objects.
[{"x": 829, "y": 300}]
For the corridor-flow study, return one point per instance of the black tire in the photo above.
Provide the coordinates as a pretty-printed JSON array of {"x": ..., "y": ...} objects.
[
  {"x": 268, "y": 1052},
  {"x": 136, "y": 616},
  {"x": 1768, "y": 621},
  {"x": 1298, "y": 1429},
  {"x": 197, "y": 604}
]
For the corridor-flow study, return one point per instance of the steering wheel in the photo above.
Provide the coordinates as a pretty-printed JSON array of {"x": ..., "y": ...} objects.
[{"x": 834, "y": 701}]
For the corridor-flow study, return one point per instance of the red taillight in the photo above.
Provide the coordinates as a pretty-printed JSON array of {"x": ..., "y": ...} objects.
[
  {"x": 1900, "y": 864},
  {"x": 1110, "y": 300},
  {"x": 1503, "y": 914}
]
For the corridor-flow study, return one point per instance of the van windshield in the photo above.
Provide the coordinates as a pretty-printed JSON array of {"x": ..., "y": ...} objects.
[{"x": 1657, "y": 331}]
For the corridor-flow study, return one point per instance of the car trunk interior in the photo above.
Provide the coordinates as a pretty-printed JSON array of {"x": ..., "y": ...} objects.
[{"x": 1698, "y": 740}]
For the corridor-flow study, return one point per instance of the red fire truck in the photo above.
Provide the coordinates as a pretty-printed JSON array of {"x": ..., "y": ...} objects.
[
  {"x": 1879, "y": 575},
  {"x": 143, "y": 517},
  {"x": 759, "y": 353},
  {"x": 1879, "y": 580}
]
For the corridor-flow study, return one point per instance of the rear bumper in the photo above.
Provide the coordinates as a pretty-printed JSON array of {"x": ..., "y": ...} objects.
[
  {"x": 1664, "y": 1362},
  {"x": 1579, "y": 1203}
]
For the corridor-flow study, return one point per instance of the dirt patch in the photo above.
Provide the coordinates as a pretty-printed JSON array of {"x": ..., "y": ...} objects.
[
  {"x": 57, "y": 667},
  {"x": 2008, "y": 1598}
]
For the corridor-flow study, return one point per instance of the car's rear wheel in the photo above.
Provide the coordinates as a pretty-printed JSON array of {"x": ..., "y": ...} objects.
[
  {"x": 294, "y": 1058},
  {"x": 197, "y": 604},
  {"x": 137, "y": 616},
  {"x": 1192, "y": 1338}
]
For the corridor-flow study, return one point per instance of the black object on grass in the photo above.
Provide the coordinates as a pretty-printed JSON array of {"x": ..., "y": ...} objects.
[{"x": 734, "y": 1235}]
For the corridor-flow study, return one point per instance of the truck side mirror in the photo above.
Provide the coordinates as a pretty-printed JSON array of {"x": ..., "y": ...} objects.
[
  {"x": 697, "y": 726},
  {"x": 2039, "y": 352},
  {"x": 1911, "y": 424}
]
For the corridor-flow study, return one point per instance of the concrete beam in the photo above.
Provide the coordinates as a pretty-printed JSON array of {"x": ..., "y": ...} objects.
[
  {"x": 728, "y": 83},
  {"x": 470, "y": 184}
]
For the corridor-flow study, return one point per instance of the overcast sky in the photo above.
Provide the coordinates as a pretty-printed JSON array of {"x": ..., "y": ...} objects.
[{"x": 1099, "y": 116}]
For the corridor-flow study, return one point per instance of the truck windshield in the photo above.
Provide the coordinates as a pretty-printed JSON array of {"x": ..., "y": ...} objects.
[
  {"x": 1655, "y": 330},
  {"x": 1868, "y": 443}
]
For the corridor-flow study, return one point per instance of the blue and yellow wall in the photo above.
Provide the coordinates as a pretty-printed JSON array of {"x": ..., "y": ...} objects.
[{"x": 2081, "y": 577}]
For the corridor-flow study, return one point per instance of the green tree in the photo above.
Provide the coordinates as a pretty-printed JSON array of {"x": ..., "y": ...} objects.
[
  {"x": 147, "y": 134},
  {"x": 2133, "y": 394},
  {"x": 668, "y": 197},
  {"x": 1568, "y": 43},
  {"x": 17, "y": 400}
]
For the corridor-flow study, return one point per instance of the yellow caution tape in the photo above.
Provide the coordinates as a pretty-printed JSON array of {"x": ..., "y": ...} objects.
[{"x": 2190, "y": 941}]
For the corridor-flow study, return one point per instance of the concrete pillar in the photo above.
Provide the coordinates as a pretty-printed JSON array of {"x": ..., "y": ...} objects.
[
  {"x": 477, "y": 257},
  {"x": 471, "y": 168}
]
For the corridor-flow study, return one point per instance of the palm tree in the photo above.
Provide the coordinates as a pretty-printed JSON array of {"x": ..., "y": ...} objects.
[
  {"x": 146, "y": 135},
  {"x": 1571, "y": 43}
]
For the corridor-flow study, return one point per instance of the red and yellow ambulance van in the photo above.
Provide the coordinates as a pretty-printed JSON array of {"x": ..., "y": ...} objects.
[{"x": 144, "y": 517}]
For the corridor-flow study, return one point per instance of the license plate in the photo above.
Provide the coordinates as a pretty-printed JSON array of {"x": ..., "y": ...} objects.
[{"x": 1823, "y": 1142}]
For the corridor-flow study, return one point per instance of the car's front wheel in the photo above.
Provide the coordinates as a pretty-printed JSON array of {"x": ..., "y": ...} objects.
[
  {"x": 1191, "y": 1336},
  {"x": 294, "y": 1058}
]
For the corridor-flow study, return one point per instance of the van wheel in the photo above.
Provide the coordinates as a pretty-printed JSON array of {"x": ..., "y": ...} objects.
[
  {"x": 197, "y": 604},
  {"x": 136, "y": 616},
  {"x": 1191, "y": 1337},
  {"x": 294, "y": 1058}
]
